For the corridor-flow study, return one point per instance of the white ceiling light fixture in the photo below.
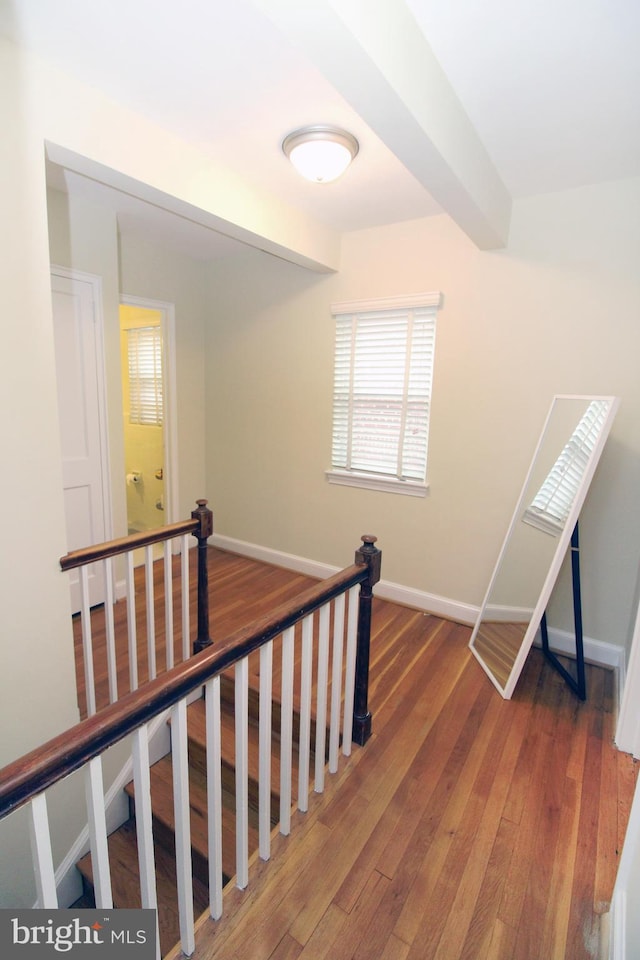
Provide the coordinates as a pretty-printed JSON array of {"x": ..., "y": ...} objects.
[{"x": 320, "y": 153}]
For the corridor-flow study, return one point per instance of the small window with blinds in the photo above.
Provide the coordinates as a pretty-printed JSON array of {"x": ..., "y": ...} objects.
[
  {"x": 144, "y": 349},
  {"x": 551, "y": 506},
  {"x": 384, "y": 354}
]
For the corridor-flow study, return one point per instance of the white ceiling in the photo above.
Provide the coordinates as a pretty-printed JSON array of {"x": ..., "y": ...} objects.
[{"x": 552, "y": 88}]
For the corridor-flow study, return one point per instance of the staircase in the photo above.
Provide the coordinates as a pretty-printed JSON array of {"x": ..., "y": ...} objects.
[{"x": 123, "y": 853}]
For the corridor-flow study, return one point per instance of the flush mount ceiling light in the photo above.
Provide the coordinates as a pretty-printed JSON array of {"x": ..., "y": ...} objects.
[{"x": 320, "y": 153}]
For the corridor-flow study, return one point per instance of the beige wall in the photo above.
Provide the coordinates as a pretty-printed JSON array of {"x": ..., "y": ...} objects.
[
  {"x": 37, "y": 676},
  {"x": 556, "y": 312}
]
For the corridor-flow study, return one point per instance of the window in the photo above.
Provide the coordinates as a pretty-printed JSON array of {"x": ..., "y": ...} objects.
[
  {"x": 144, "y": 350},
  {"x": 382, "y": 393},
  {"x": 552, "y": 504}
]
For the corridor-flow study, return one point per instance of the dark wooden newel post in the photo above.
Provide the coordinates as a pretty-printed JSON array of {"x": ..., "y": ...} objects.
[
  {"x": 368, "y": 555},
  {"x": 204, "y": 531}
]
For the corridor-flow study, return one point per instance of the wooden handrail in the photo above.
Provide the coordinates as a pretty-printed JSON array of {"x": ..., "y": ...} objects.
[
  {"x": 53, "y": 761},
  {"x": 200, "y": 525},
  {"x": 112, "y": 548}
]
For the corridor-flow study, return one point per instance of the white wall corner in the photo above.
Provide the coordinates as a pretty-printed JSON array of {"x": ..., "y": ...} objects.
[{"x": 615, "y": 947}]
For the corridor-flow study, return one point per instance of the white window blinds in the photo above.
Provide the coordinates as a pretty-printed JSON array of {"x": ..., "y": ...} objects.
[
  {"x": 382, "y": 391},
  {"x": 552, "y": 504},
  {"x": 144, "y": 347}
]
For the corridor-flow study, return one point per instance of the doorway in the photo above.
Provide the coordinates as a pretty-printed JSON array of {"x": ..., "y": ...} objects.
[
  {"x": 146, "y": 329},
  {"x": 143, "y": 416}
]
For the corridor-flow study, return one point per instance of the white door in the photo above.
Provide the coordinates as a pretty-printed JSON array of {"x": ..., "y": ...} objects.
[{"x": 79, "y": 366}]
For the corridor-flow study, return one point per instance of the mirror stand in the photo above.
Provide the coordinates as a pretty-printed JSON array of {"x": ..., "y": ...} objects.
[{"x": 578, "y": 683}]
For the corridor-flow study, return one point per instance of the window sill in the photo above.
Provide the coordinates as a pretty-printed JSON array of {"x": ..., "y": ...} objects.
[
  {"x": 547, "y": 524},
  {"x": 372, "y": 481}
]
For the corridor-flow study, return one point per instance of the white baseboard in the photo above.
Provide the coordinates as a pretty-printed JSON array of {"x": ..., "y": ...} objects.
[
  {"x": 596, "y": 652},
  {"x": 386, "y": 590},
  {"x": 429, "y": 602},
  {"x": 311, "y": 568},
  {"x": 600, "y": 654}
]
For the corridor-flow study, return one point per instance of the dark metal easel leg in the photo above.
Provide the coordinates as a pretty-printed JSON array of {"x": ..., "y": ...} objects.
[{"x": 578, "y": 683}]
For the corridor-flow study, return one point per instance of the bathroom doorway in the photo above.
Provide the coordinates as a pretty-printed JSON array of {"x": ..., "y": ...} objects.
[{"x": 146, "y": 413}]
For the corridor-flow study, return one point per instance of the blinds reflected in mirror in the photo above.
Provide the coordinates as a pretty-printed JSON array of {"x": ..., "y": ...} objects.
[{"x": 552, "y": 504}]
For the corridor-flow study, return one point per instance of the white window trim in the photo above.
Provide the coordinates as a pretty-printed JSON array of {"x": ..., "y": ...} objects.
[
  {"x": 430, "y": 299},
  {"x": 372, "y": 481}
]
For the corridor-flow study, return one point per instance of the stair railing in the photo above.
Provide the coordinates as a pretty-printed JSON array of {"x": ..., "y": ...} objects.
[
  {"x": 25, "y": 781},
  {"x": 200, "y": 526}
]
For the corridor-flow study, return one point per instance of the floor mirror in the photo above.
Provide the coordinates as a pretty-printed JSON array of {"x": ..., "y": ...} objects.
[{"x": 540, "y": 532}]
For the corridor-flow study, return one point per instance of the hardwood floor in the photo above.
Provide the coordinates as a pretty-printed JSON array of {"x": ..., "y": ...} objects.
[
  {"x": 468, "y": 827},
  {"x": 499, "y": 643},
  {"x": 239, "y": 590}
]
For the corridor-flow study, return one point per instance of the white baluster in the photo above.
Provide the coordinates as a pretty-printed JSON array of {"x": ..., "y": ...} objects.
[
  {"x": 131, "y": 623},
  {"x": 304, "y": 743},
  {"x": 242, "y": 771},
  {"x": 151, "y": 613},
  {"x": 336, "y": 682},
  {"x": 87, "y": 645},
  {"x": 112, "y": 665},
  {"x": 286, "y": 730},
  {"x": 41, "y": 853},
  {"x": 265, "y": 738},
  {"x": 321, "y": 697},
  {"x": 94, "y": 788},
  {"x": 168, "y": 604},
  {"x": 184, "y": 868},
  {"x": 144, "y": 829},
  {"x": 184, "y": 566},
  {"x": 214, "y": 795},
  {"x": 350, "y": 670}
]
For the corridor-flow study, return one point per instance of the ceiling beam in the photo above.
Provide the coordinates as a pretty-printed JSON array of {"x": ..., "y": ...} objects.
[
  {"x": 304, "y": 242},
  {"x": 95, "y": 137},
  {"x": 377, "y": 58}
]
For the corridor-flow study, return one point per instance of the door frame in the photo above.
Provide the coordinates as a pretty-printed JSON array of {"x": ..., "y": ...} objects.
[
  {"x": 627, "y": 736},
  {"x": 95, "y": 282},
  {"x": 167, "y": 313}
]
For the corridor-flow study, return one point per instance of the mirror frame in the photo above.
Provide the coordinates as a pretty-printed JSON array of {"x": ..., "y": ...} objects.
[{"x": 562, "y": 545}]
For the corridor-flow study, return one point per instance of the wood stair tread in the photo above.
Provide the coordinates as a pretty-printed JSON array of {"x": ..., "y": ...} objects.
[
  {"x": 227, "y": 699},
  {"x": 161, "y": 775},
  {"x": 122, "y": 843},
  {"x": 125, "y": 882},
  {"x": 196, "y": 723}
]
